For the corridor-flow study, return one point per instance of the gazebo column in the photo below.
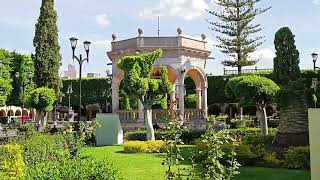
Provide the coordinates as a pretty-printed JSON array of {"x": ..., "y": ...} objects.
[
  {"x": 115, "y": 97},
  {"x": 204, "y": 101},
  {"x": 173, "y": 95},
  {"x": 198, "y": 91},
  {"x": 181, "y": 96}
]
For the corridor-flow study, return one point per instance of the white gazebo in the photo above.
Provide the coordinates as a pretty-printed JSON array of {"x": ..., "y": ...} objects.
[{"x": 182, "y": 56}]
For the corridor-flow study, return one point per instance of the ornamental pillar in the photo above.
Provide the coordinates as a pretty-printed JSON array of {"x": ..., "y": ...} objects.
[
  {"x": 115, "y": 97},
  {"x": 204, "y": 101},
  {"x": 198, "y": 93},
  {"x": 181, "y": 96}
]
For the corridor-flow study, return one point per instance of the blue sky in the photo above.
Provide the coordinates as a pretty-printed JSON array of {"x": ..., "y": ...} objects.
[{"x": 96, "y": 20}]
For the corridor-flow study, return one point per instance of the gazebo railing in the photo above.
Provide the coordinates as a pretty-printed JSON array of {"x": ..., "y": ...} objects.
[
  {"x": 128, "y": 116},
  {"x": 159, "y": 114}
]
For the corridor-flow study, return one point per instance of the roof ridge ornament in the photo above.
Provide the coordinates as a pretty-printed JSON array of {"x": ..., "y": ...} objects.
[
  {"x": 114, "y": 37},
  {"x": 140, "y": 32},
  {"x": 179, "y": 30},
  {"x": 203, "y": 36}
]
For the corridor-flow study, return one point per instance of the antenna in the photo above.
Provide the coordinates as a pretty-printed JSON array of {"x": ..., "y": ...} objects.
[{"x": 158, "y": 26}]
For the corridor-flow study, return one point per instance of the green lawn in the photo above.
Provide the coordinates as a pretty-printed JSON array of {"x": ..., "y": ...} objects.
[{"x": 148, "y": 166}]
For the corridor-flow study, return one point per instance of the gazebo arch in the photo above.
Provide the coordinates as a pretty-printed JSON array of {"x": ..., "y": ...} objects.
[
  {"x": 10, "y": 113},
  {"x": 25, "y": 113},
  {"x": 3, "y": 113},
  {"x": 182, "y": 55},
  {"x": 18, "y": 113}
]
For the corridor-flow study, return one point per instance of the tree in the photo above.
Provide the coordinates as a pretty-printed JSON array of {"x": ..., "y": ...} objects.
[
  {"x": 47, "y": 58},
  {"x": 292, "y": 98},
  {"x": 139, "y": 84},
  {"x": 286, "y": 63},
  {"x": 23, "y": 64},
  {"x": 5, "y": 78},
  {"x": 236, "y": 29},
  {"x": 254, "y": 90},
  {"x": 41, "y": 99}
]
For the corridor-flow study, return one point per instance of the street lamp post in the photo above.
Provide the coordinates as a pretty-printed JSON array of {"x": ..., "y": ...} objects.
[
  {"x": 69, "y": 92},
  {"x": 314, "y": 58},
  {"x": 80, "y": 60},
  {"x": 23, "y": 86}
]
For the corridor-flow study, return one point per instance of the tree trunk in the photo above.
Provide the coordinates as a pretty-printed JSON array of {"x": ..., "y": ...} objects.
[
  {"x": 239, "y": 69},
  {"x": 149, "y": 125},
  {"x": 262, "y": 117},
  {"x": 41, "y": 120}
]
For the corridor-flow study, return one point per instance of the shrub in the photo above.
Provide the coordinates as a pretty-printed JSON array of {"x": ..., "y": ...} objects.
[
  {"x": 41, "y": 148},
  {"x": 297, "y": 157},
  {"x": 244, "y": 155},
  {"x": 157, "y": 146},
  {"x": 214, "y": 157},
  {"x": 218, "y": 118},
  {"x": 241, "y": 132},
  {"x": 191, "y": 101},
  {"x": 74, "y": 169},
  {"x": 271, "y": 160},
  {"x": 187, "y": 136},
  {"x": 11, "y": 161},
  {"x": 259, "y": 140}
]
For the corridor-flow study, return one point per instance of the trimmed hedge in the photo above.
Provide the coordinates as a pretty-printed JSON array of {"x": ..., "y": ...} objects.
[
  {"x": 240, "y": 132},
  {"x": 187, "y": 137},
  {"x": 190, "y": 137},
  {"x": 157, "y": 146},
  {"x": 97, "y": 90}
]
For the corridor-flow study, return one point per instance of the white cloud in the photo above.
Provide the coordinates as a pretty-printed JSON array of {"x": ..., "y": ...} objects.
[
  {"x": 102, "y": 20},
  {"x": 266, "y": 56},
  {"x": 316, "y": 2},
  {"x": 185, "y": 9},
  {"x": 101, "y": 43}
]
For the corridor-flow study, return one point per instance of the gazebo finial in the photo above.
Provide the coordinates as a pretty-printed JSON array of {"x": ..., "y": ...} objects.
[
  {"x": 140, "y": 32},
  {"x": 179, "y": 31},
  {"x": 203, "y": 36},
  {"x": 114, "y": 37}
]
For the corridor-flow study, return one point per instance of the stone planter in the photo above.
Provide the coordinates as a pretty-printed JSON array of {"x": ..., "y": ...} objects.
[{"x": 314, "y": 134}]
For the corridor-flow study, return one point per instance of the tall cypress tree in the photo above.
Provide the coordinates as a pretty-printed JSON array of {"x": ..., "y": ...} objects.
[
  {"x": 292, "y": 98},
  {"x": 286, "y": 63},
  {"x": 236, "y": 31},
  {"x": 47, "y": 59}
]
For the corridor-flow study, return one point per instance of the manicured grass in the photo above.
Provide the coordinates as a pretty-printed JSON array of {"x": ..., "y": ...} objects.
[
  {"x": 255, "y": 173},
  {"x": 148, "y": 166}
]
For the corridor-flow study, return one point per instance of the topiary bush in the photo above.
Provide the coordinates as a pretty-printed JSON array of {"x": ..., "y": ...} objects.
[
  {"x": 297, "y": 157},
  {"x": 157, "y": 146},
  {"x": 187, "y": 136},
  {"x": 241, "y": 132}
]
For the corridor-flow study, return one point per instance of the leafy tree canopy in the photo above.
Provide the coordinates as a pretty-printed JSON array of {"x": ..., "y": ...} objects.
[
  {"x": 41, "y": 99},
  {"x": 138, "y": 82},
  {"x": 23, "y": 64},
  {"x": 5, "y": 78},
  {"x": 251, "y": 90}
]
